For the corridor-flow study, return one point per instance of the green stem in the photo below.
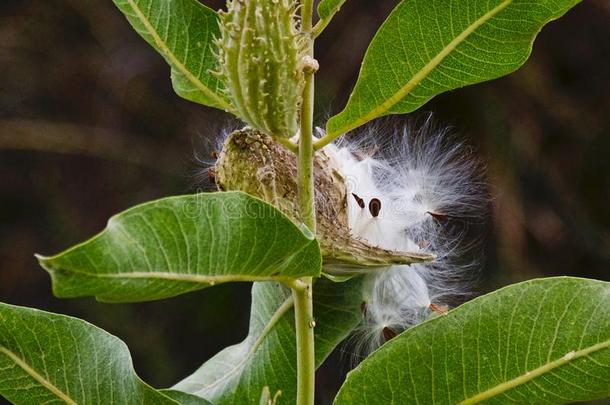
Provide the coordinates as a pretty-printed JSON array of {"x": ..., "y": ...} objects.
[
  {"x": 305, "y": 164},
  {"x": 304, "y": 321},
  {"x": 287, "y": 143},
  {"x": 303, "y": 302}
]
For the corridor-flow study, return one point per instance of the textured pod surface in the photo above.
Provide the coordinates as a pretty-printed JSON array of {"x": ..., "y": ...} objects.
[
  {"x": 254, "y": 163},
  {"x": 260, "y": 51}
]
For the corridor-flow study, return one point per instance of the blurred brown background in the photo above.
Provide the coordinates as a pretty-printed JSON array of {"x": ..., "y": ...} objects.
[{"x": 89, "y": 126}]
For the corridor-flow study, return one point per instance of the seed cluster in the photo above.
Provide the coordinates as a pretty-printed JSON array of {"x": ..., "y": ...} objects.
[{"x": 419, "y": 193}]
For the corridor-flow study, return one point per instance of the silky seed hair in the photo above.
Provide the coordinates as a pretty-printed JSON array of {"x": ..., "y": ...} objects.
[
  {"x": 206, "y": 151},
  {"x": 416, "y": 190}
]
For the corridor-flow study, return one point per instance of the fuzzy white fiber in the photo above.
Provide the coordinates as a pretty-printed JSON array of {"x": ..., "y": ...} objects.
[{"x": 415, "y": 191}]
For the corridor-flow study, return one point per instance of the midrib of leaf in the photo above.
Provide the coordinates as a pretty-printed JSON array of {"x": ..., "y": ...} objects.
[
  {"x": 194, "y": 278},
  {"x": 422, "y": 73},
  {"x": 43, "y": 381},
  {"x": 174, "y": 60},
  {"x": 537, "y": 372},
  {"x": 277, "y": 315}
]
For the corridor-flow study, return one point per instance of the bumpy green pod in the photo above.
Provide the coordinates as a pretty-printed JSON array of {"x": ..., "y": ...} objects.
[
  {"x": 261, "y": 52},
  {"x": 254, "y": 163}
]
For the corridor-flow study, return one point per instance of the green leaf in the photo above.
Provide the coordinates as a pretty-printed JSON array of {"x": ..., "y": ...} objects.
[
  {"x": 184, "y": 398},
  {"x": 427, "y": 47},
  {"x": 328, "y": 8},
  {"x": 544, "y": 341},
  {"x": 267, "y": 357},
  {"x": 179, "y": 244},
  {"x": 326, "y": 11},
  {"x": 50, "y": 358},
  {"x": 183, "y": 32}
]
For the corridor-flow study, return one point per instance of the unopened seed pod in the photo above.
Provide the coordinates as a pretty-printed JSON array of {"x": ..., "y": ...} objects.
[{"x": 261, "y": 53}]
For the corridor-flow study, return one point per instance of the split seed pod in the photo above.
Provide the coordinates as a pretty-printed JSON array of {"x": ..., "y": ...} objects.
[
  {"x": 253, "y": 162},
  {"x": 261, "y": 55}
]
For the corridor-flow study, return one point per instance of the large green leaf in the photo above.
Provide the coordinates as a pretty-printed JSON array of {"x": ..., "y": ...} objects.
[
  {"x": 183, "y": 32},
  {"x": 48, "y": 358},
  {"x": 179, "y": 244},
  {"x": 544, "y": 341},
  {"x": 427, "y": 47},
  {"x": 267, "y": 357}
]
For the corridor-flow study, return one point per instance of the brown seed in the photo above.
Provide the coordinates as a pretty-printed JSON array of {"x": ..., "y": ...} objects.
[
  {"x": 365, "y": 153},
  {"x": 439, "y": 216},
  {"x": 375, "y": 207},
  {"x": 212, "y": 175},
  {"x": 388, "y": 334},
  {"x": 359, "y": 200},
  {"x": 214, "y": 154},
  {"x": 439, "y": 309}
]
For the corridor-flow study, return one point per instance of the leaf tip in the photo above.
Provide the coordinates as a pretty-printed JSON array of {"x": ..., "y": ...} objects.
[{"x": 43, "y": 261}]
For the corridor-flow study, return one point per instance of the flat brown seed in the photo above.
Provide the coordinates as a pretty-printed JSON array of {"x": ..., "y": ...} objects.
[
  {"x": 359, "y": 200},
  {"x": 375, "y": 207},
  {"x": 439, "y": 309},
  {"x": 440, "y": 217},
  {"x": 212, "y": 175},
  {"x": 388, "y": 334}
]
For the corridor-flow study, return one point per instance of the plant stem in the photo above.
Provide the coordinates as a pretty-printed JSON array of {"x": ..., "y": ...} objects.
[
  {"x": 306, "y": 366},
  {"x": 303, "y": 301},
  {"x": 305, "y": 165}
]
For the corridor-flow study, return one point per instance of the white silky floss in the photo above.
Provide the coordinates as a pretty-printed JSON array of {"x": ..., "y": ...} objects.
[{"x": 404, "y": 197}]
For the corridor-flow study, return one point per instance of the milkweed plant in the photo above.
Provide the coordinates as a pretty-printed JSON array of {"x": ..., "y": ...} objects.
[{"x": 350, "y": 230}]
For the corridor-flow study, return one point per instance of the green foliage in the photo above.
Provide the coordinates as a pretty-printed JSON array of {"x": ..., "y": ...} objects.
[
  {"x": 184, "y": 398},
  {"x": 427, "y": 47},
  {"x": 49, "y": 358},
  {"x": 179, "y": 244},
  {"x": 544, "y": 341},
  {"x": 267, "y": 357},
  {"x": 182, "y": 31}
]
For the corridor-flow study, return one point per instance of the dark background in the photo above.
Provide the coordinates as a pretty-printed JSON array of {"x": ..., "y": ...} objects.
[{"x": 89, "y": 126}]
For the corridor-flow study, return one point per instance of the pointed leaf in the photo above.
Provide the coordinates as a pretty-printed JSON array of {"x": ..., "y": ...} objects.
[
  {"x": 50, "y": 358},
  {"x": 427, "y": 47},
  {"x": 267, "y": 357},
  {"x": 544, "y": 341},
  {"x": 179, "y": 244},
  {"x": 183, "y": 32}
]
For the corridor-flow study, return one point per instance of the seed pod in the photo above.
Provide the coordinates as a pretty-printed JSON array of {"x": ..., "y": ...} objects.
[
  {"x": 254, "y": 163},
  {"x": 261, "y": 54}
]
